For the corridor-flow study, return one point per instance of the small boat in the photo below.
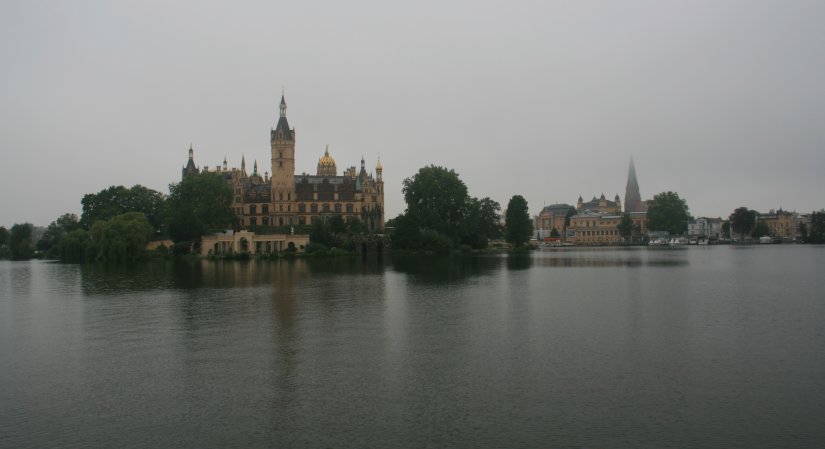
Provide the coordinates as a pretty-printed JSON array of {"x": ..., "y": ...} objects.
[{"x": 766, "y": 239}]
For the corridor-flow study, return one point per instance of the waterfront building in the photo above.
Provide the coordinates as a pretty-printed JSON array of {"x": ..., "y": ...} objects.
[
  {"x": 595, "y": 228},
  {"x": 596, "y": 221},
  {"x": 601, "y": 205},
  {"x": 231, "y": 242},
  {"x": 287, "y": 199},
  {"x": 782, "y": 224},
  {"x": 705, "y": 228},
  {"x": 552, "y": 217}
]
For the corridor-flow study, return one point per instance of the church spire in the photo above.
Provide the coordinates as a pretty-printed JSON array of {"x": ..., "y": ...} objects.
[
  {"x": 283, "y": 105},
  {"x": 632, "y": 197}
]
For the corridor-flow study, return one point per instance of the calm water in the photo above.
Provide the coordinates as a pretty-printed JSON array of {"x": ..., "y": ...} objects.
[{"x": 700, "y": 347}]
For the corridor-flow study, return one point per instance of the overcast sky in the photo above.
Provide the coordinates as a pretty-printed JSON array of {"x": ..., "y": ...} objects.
[{"x": 720, "y": 101}]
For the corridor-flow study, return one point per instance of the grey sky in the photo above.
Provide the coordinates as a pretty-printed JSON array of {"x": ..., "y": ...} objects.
[{"x": 720, "y": 101}]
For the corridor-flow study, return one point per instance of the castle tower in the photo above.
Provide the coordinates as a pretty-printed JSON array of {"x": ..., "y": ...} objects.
[
  {"x": 632, "y": 197},
  {"x": 190, "y": 167},
  {"x": 283, "y": 170}
]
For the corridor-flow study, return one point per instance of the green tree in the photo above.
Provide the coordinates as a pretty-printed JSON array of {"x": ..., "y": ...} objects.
[
  {"x": 49, "y": 243},
  {"x": 726, "y": 229},
  {"x": 20, "y": 241},
  {"x": 4, "y": 239},
  {"x": 554, "y": 233},
  {"x": 198, "y": 205},
  {"x": 817, "y": 231},
  {"x": 73, "y": 247},
  {"x": 742, "y": 221},
  {"x": 117, "y": 200},
  {"x": 667, "y": 212},
  {"x": 803, "y": 232},
  {"x": 517, "y": 221},
  {"x": 761, "y": 229},
  {"x": 121, "y": 239},
  {"x": 406, "y": 231},
  {"x": 625, "y": 226},
  {"x": 437, "y": 199},
  {"x": 481, "y": 223}
]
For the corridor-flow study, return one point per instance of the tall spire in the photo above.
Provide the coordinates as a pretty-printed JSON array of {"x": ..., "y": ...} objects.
[
  {"x": 283, "y": 106},
  {"x": 632, "y": 197}
]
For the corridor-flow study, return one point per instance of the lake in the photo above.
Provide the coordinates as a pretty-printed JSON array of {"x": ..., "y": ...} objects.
[{"x": 580, "y": 348}]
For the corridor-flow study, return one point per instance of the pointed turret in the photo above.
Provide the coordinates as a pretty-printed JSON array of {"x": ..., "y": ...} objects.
[
  {"x": 282, "y": 130},
  {"x": 190, "y": 167}
]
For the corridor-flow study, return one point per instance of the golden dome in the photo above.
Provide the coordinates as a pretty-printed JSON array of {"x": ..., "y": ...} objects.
[
  {"x": 326, "y": 165},
  {"x": 378, "y": 166}
]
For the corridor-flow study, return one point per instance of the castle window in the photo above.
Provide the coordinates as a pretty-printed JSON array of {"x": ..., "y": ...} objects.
[
  {"x": 302, "y": 208},
  {"x": 302, "y": 220},
  {"x": 252, "y": 209},
  {"x": 337, "y": 208},
  {"x": 349, "y": 208},
  {"x": 289, "y": 197},
  {"x": 281, "y": 207},
  {"x": 326, "y": 207},
  {"x": 280, "y": 196},
  {"x": 313, "y": 208},
  {"x": 265, "y": 209},
  {"x": 265, "y": 221},
  {"x": 253, "y": 221}
]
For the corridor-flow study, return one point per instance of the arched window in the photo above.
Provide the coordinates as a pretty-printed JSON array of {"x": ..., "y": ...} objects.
[
  {"x": 313, "y": 208},
  {"x": 337, "y": 208},
  {"x": 302, "y": 208}
]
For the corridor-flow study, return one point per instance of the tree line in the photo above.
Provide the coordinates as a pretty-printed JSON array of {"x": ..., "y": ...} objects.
[
  {"x": 441, "y": 215},
  {"x": 117, "y": 223}
]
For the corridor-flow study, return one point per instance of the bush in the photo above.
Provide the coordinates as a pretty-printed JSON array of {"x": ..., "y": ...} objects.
[
  {"x": 435, "y": 241},
  {"x": 181, "y": 248}
]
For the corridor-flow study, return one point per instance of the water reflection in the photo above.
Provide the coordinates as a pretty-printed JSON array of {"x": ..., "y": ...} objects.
[
  {"x": 582, "y": 257},
  {"x": 428, "y": 269}
]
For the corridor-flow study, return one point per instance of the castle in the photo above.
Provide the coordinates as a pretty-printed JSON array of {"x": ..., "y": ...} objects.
[{"x": 287, "y": 199}]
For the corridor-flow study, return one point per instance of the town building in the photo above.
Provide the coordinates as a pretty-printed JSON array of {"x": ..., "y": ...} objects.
[
  {"x": 782, "y": 224},
  {"x": 704, "y": 228},
  {"x": 550, "y": 218},
  {"x": 289, "y": 199}
]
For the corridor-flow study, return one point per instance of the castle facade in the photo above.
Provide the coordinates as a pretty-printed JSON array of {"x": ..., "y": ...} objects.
[{"x": 287, "y": 199}]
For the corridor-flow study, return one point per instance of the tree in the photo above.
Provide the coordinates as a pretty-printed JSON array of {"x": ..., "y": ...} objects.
[
  {"x": 554, "y": 233},
  {"x": 742, "y": 221},
  {"x": 517, "y": 221},
  {"x": 817, "y": 231},
  {"x": 121, "y": 239},
  {"x": 198, "y": 205},
  {"x": 760, "y": 229},
  {"x": 625, "y": 226},
  {"x": 437, "y": 199},
  {"x": 482, "y": 222},
  {"x": 667, "y": 212},
  {"x": 49, "y": 244},
  {"x": 726, "y": 229},
  {"x": 803, "y": 232},
  {"x": 20, "y": 242},
  {"x": 74, "y": 246},
  {"x": 117, "y": 200}
]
